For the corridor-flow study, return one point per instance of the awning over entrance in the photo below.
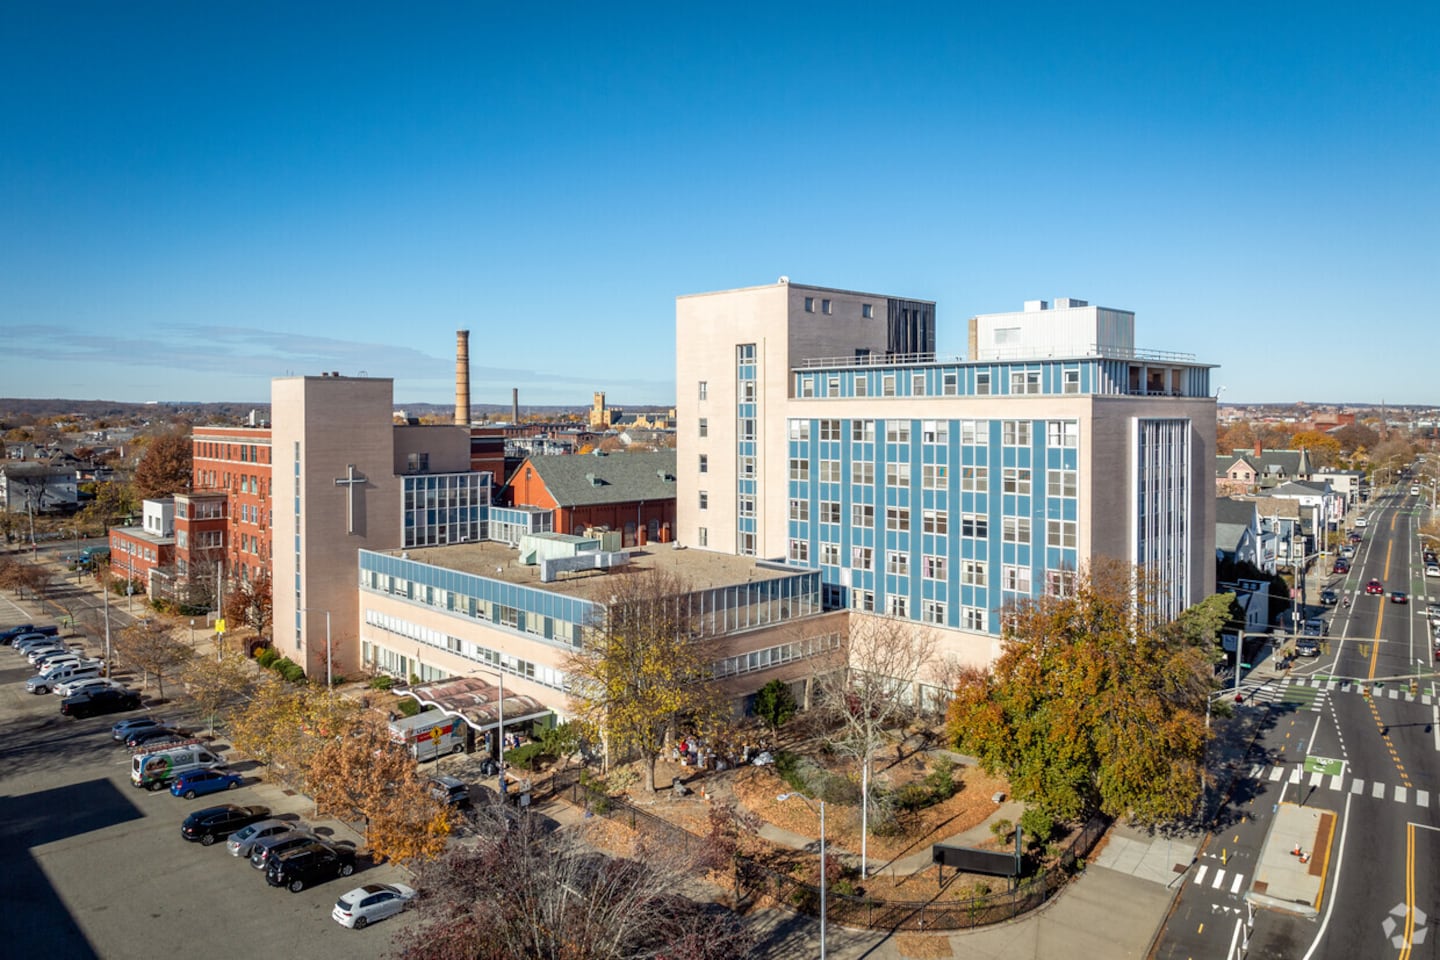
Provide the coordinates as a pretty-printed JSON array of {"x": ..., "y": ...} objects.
[{"x": 477, "y": 702}]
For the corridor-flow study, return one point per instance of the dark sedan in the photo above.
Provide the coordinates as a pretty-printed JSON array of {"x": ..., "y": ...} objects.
[
  {"x": 104, "y": 700},
  {"x": 215, "y": 823},
  {"x": 154, "y": 735},
  {"x": 1399, "y": 596}
]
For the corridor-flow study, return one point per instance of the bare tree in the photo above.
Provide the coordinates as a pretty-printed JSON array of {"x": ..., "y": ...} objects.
[
  {"x": 874, "y": 692},
  {"x": 149, "y": 647}
]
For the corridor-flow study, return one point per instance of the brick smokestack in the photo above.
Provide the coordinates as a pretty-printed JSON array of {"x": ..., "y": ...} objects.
[
  {"x": 514, "y": 404},
  {"x": 462, "y": 377}
]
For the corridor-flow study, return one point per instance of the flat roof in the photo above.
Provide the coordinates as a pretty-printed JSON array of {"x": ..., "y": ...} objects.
[{"x": 701, "y": 569}]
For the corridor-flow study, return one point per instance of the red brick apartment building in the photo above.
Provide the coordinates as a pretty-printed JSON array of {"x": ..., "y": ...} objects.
[{"x": 234, "y": 461}]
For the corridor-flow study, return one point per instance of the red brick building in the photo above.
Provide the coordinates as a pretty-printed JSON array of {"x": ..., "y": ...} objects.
[
  {"x": 633, "y": 493},
  {"x": 236, "y": 461}
]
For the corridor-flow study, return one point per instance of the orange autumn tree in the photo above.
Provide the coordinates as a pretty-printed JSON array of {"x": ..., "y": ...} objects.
[
  {"x": 358, "y": 773},
  {"x": 1093, "y": 705}
]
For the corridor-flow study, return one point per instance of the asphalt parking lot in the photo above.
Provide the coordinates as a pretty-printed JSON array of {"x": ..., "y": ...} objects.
[{"x": 93, "y": 867}]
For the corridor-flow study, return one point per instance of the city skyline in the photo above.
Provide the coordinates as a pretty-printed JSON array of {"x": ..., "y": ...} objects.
[{"x": 197, "y": 201}]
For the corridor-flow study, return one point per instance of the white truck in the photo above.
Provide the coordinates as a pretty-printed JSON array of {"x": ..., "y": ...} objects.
[{"x": 429, "y": 734}]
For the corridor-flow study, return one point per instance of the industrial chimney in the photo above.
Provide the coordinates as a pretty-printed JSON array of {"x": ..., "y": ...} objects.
[
  {"x": 462, "y": 377},
  {"x": 514, "y": 404}
]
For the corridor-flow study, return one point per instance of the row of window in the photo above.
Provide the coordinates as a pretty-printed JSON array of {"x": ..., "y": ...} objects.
[
  {"x": 495, "y": 659},
  {"x": 768, "y": 657},
  {"x": 1022, "y": 382},
  {"x": 1013, "y": 433},
  {"x": 1062, "y": 534},
  {"x": 243, "y": 452}
]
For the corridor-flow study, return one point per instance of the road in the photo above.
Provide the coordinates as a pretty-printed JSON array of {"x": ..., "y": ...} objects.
[{"x": 1380, "y": 895}]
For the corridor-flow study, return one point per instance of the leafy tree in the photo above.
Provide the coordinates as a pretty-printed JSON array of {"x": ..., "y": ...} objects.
[
  {"x": 165, "y": 467},
  {"x": 1203, "y": 623},
  {"x": 1356, "y": 438},
  {"x": 148, "y": 646},
  {"x": 561, "y": 742},
  {"x": 358, "y": 773},
  {"x": 216, "y": 683},
  {"x": 1092, "y": 704},
  {"x": 283, "y": 724},
  {"x": 1324, "y": 449},
  {"x": 520, "y": 893},
  {"x": 250, "y": 604},
  {"x": 641, "y": 669},
  {"x": 775, "y": 704}
]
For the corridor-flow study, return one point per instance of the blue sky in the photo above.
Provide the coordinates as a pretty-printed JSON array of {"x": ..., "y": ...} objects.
[{"x": 195, "y": 198}]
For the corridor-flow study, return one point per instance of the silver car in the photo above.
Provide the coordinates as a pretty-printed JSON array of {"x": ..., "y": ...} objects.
[
  {"x": 242, "y": 842},
  {"x": 262, "y": 850}
]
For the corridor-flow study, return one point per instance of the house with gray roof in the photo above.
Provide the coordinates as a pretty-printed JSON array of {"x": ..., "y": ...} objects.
[
  {"x": 1257, "y": 470},
  {"x": 630, "y": 493},
  {"x": 1239, "y": 537}
]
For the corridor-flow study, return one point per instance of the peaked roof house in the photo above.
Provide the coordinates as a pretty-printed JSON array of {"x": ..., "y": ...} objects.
[
  {"x": 633, "y": 493},
  {"x": 1284, "y": 518},
  {"x": 1239, "y": 537},
  {"x": 1250, "y": 471},
  {"x": 1321, "y": 509}
]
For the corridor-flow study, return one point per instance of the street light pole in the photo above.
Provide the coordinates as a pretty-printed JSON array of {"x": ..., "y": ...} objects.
[{"x": 786, "y": 796}]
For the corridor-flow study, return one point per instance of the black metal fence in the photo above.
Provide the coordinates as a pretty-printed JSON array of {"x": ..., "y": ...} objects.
[{"x": 754, "y": 880}]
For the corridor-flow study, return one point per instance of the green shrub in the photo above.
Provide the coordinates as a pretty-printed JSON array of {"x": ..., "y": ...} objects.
[
  {"x": 289, "y": 669},
  {"x": 408, "y": 707},
  {"x": 787, "y": 764},
  {"x": 1038, "y": 826},
  {"x": 381, "y": 682},
  {"x": 913, "y": 796},
  {"x": 267, "y": 657},
  {"x": 941, "y": 781},
  {"x": 1002, "y": 828},
  {"x": 775, "y": 704},
  {"x": 529, "y": 756},
  {"x": 833, "y": 788}
]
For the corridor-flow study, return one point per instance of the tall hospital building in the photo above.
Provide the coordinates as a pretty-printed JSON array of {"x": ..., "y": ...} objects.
[{"x": 818, "y": 426}]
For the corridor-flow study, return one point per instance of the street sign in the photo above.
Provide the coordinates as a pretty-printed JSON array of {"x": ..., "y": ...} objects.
[{"x": 1325, "y": 765}]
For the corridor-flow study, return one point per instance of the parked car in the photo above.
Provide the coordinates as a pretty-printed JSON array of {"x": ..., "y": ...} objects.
[
  {"x": 151, "y": 736},
  {"x": 1341, "y": 566},
  {"x": 28, "y": 641},
  {"x": 40, "y": 653},
  {"x": 1307, "y": 647},
  {"x": 1398, "y": 596},
  {"x": 216, "y": 823},
  {"x": 1348, "y": 552},
  {"x": 1314, "y": 627},
  {"x": 450, "y": 791},
  {"x": 375, "y": 901},
  {"x": 1432, "y": 569},
  {"x": 71, "y": 687},
  {"x": 123, "y": 728},
  {"x": 1375, "y": 587},
  {"x": 12, "y": 634},
  {"x": 1432, "y": 611},
  {"x": 200, "y": 782},
  {"x": 1356, "y": 536},
  {"x": 1329, "y": 597},
  {"x": 309, "y": 864},
  {"x": 94, "y": 702},
  {"x": 242, "y": 842},
  {"x": 277, "y": 844}
]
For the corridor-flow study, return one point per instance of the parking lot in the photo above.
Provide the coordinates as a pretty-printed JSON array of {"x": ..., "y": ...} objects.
[{"x": 93, "y": 867}]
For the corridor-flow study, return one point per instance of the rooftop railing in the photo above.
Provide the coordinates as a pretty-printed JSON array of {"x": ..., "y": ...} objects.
[{"x": 1093, "y": 351}]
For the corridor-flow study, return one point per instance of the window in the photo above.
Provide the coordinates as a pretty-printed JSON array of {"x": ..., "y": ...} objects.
[
  {"x": 747, "y": 391},
  {"x": 1015, "y": 578},
  {"x": 745, "y": 352},
  {"x": 747, "y": 466},
  {"x": 862, "y": 431},
  {"x": 897, "y": 518},
  {"x": 1062, "y": 483},
  {"x": 704, "y": 389},
  {"x": 704, "y": 463},
  {"x": 935, "y": 476},
  {"x": 800, "y": 510},
  {"x": 1015, "y": 433},
  {"x": 862, "y": 385},
  {"x": 950, "y": 384},
  {"x": 917, "y": 385},
  {"x": 799, "y": 469},
  {"x": 867, "y": 310},
  {"x": 809, "y": 304},
  {"x": 862, "y": 558},
  {"x": 932, "y": 567},
  {"x": 830, "y": 554},
  {"x": 1024, "y": 381},
  {"x": 702, "y": 536},
  {"x": 800, "y": 430},
  {"x": 932, "y": 611},
  {"x": 704, "y": 427},
  {"x": 829, "y": 511},
  {"x": 832, "y": 386},
  {"x": 1062, "y": 433},
  {"x": 972, "y": 618},
  {"x": 704, "y": 500},
  {"x": 800, "y": 551},
  {"x": 897, "y": 606},
  {"x": 1071, "y": 381},
  {"x": 972, "y": 573},
  {"x": 1062, "y": 533},
  {"x": 807, "y": 386},
  {"x": 830, "y": 471},
  {"x": 863, "y": 600},
  {"x": 935, "y": 521},
  {"x": 862, "y": 472},
  {"x": 897, "y": 474},
  {"x": 897, "y": 562},
  {"x": 829, "y": 429},
  {"x": 1059, "y": 583},
  {"x": 974, "y": 479},
  {"x": 887, "y": 385},
  {"x": 897, "y": 431},
  {"x": 982, "y": 382},
  {"x": 747, "y": 428},
  {"x": 974, "y": 525},
  {"x": 862, "y": 515},
  {"x": 1016, "y": 480},
  {"x": 825, "y": 307},
  {"x": 974, "y": 432},
  {"x": 932, "y": 432},
  {"x": 746, "y": 505},
  {"x": 1015, "y": 529}
]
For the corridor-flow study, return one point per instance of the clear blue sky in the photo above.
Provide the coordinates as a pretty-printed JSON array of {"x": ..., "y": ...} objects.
[{"x": 195, "y": 197}]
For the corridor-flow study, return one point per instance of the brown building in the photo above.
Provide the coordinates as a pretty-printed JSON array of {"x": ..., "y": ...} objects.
[
  {"x": 633, "y": 493},
  {"x": 236, "y": 461}
]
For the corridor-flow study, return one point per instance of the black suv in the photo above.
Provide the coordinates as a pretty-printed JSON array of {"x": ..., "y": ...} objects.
[
  {"x": 313, "y": 862},
  {"x": 103, "y": 700},
  {"x": 216, "y": 823},
  {"x": 1329, "y": 597},
  {"x": 450, "y": 791}
]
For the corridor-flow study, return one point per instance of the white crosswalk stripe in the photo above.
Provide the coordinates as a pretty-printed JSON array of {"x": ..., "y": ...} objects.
[
  {"x": 1357, "y": 785},
  {"x": 1295, "y": 774},
  {"x": 1400, "y": 794},
  {"x": 1336, "y": 780},
  {"x": 1276, "y": 774},
  {"x": 1422, "y": 798},
  {"x": 1219, "y": 879},
  {"x": 1200, "y": 874},
  {"x": 1315, "y": 778},
  {"x": 1235, "y": 887},
  {"x": 1377, "y": 791}
]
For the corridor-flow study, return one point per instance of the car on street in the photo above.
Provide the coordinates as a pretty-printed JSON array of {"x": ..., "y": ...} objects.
[
  {"x": 1398, "y": 596},
  {"x": 1356, "y": 536},
  {"x": 308, "y": 864},
  {"x": 375, "y": 901},
  {"x": 197, "y": 783},
  {"x": 1307, "y": 647},
  {"x": 1329, "y": 597},
  {"x": 1341, "y": 566},
  {"x": 279, "y": 843},
  {"x": 1374, "y": 588},
  {"x": 1432, "y": 569},
  {"x": 122, "y": 729},
  {"x": 95, "y": 702},
  {"x": 242, "y": 842},
  {"x": 1314, "y": 627},
  {"x": 216, "y": 823}
]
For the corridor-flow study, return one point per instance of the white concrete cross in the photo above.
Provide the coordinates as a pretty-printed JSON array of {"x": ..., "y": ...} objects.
[{"x": 349, "y": 481}]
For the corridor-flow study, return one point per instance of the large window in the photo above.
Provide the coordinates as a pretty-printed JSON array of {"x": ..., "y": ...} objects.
[
  {"x": 862, "y": 431},
  {"x": 862, "y": 472},
  {"x": 1062, "y": 483},
  {"x": 1015, "y": 433},
  {"x": 1062, "y": 533},
  {"x": 972, "y": 573},
  {"x": 936, "y": 521},
  {"x": 830, "y": 471},
  {"x": 897, "y": 431},
  {"x": 897, "y": 562},
  {"x": 829, "y": 429},
  {"x": 1062, "y": 433},
  {"x": 862, "y": 515},
  {"x": 1015, "y": 529},
  {"x": 800, "y": 510},
  {"x": 974, "y": 479},
  {"x": 897, "y": 474},
  {"x": 799, "y": 469},
  {"x": 1017, "y": 480},
  {"x": 829, "y": 511},
  {"x": 897, "y": 518},
  {"x": 862, "y": 558},
  {"x": 799, "y": 429}
]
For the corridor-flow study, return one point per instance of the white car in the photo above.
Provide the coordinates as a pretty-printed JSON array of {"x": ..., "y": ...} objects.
[
  {"x": 1432, "y": 570},
  {"x": 375, "y": 901},
  {"x": 85, "y": 686}
]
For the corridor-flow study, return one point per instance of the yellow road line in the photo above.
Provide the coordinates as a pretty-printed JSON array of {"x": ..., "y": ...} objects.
[
  {"x": 1409, "y": 890},
  {"x": 1380, "y": 617}
]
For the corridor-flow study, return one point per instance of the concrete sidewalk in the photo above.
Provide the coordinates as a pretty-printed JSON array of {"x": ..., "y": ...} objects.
[{"x": 1291, "y": 871}]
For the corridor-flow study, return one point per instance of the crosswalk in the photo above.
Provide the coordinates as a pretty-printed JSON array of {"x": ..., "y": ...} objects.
[
  {"x": 1219, "y": 879},
  {"x": 1310, "y": 692},
  {"x": 1340, "y": 783}
]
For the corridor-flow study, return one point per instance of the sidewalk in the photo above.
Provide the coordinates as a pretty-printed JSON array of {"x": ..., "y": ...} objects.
[{"x": 1294, "y": 860}]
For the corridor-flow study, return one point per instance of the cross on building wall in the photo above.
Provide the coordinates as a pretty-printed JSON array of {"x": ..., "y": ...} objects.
[{"x": 349, "y": 481}]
